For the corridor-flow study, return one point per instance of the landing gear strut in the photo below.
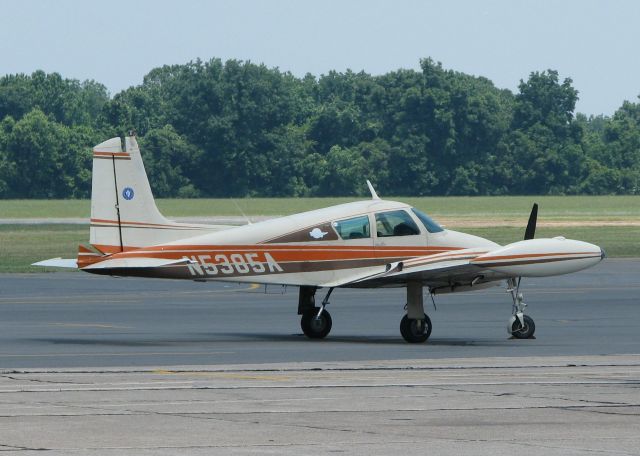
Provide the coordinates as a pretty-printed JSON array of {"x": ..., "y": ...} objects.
[
  {"x": 415, "y": 326},
  {"x": 520, "y": 326},
  {"x": 315, "y": 321}
]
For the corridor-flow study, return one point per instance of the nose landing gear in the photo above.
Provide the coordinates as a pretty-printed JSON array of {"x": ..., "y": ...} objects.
[{"x": 520, "y": 326}]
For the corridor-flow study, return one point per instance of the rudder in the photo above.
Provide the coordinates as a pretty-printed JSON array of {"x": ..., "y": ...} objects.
[{"x": 124, "y": 214}]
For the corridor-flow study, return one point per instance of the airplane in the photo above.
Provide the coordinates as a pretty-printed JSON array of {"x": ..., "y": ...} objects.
[{"x": 363, "y": 244}]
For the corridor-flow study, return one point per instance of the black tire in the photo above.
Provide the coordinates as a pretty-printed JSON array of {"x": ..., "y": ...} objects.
[
  {"x": 316, "y": 328},
  {"x": 523, "y": 332},
  {"x": 414, "y": 333}
]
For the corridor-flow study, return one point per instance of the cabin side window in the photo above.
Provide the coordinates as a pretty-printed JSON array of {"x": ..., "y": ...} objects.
[
  {"x": 395, "y": 223},
  {"x": 353, "y": 228}
]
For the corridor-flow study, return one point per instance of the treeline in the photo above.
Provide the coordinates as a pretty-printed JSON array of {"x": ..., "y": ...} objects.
[{"x": 240, "y": 129}]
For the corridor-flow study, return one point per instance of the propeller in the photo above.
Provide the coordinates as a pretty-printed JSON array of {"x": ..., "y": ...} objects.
[
  {"x": 530, "y": 232},
  {"x": 513, "y": 282}
]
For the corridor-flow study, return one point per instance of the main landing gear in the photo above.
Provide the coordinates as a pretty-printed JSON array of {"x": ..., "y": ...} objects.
[
  {"x": 520, "y": 326},
  {"x": 415, "y": 326},
  {"x": 315, "y": 321}
]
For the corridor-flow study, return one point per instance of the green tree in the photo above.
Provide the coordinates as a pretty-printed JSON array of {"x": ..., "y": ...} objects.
[
  {"x": 544, "y": 145},
  {"x": 7, "y": 167},
  {"x": 67, "y": 101},
  {"x": 168, "y": 159},
  {"x": 45, "y": 160},
  {"x": 235, "y": 128}
]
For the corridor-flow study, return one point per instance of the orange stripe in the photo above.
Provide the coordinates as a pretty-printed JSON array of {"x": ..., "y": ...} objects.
[
  {"x": 282, "y": 254},
  {"x": 531, "y": 255},
  {"x": 440, "y": 257},
  {"x": 85, "y": 260},
  {"x": 310, "y": 252},
  {"x": 254, "y": 247},
  {"x": 83, "y": 249},
  {"x": 110, "y": 154},
  {"x": 143, "y": 224},
  {"x": 112, "y": 249}
]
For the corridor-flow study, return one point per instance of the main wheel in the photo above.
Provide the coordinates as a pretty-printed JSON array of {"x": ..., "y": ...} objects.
[
  {"x": 415, "y": 331},
  {"x": 520, "y": 331},
  {"x": 316, "y": 327}
]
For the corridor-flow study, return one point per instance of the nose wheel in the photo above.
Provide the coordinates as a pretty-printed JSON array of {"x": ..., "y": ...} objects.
[
  {"x": 522, "y": 329},
  {"x": 520, "y": 326}
]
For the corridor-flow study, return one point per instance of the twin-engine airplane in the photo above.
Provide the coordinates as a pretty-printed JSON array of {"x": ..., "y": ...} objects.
[{"x": 364, "y": 244}]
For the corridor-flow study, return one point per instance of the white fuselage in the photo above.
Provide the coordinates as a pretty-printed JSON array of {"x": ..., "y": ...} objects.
[{"x": 312, "y": 248}]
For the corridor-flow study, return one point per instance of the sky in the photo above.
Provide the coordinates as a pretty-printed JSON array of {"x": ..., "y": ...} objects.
[{"x": 117, "y": 42}]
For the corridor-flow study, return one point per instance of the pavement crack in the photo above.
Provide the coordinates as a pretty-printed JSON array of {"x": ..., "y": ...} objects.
[
  {"x": 7, "y": 447},
  {"x": 302, "y": 387},
  {"x": 589, "y": 409},
  {"x": 235, "y": 369},
  {"x": 589, "y": 403},
  {"x": 530, "y": 444},
  {"x": 218, "y": 415},
  {"x": 37, "y": 380},
  {"x": 210, "y": 416}
]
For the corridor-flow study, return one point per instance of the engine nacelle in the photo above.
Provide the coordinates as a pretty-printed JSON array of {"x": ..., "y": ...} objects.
[{"x": 541, "y": 257}]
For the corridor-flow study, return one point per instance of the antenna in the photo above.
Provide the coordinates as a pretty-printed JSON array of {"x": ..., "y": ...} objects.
[
  {"x": 374, "y": 195},
  {"x": 242, "y": 212}
]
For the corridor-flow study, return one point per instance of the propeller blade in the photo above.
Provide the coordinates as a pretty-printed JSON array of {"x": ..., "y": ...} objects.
[{"x": 531, "y": 225}]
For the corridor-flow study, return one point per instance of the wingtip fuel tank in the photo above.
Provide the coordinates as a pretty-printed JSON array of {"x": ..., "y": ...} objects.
[{"x": 541, "y": 257}]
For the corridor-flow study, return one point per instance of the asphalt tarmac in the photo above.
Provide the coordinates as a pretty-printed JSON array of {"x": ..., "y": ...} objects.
[
  {"x": 553, "y": 406},
  {"x": 105, "y": 366},
  {"x": 62, "y": 320}
]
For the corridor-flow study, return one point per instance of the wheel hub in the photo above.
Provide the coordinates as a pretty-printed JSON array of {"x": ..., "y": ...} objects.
[
  {"x": 318, "y": 323},
  {"x": 417, "y": 327}
]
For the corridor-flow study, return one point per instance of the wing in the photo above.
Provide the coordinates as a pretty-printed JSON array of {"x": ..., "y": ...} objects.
[
  {"x": 460, "y": 270},
  {"x": 446, "y": 271}
]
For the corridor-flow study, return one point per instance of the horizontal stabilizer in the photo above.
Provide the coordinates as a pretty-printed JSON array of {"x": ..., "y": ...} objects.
[
  {"x": 58, "y": 263},
  {"x": 118, "y": 263}
]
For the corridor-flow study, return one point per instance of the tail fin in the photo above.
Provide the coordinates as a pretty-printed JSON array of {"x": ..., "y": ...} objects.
[{"x": 124, "y": 214}]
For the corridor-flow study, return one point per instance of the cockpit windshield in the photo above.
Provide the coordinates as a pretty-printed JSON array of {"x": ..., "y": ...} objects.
[{"x": 428, "y": 222}]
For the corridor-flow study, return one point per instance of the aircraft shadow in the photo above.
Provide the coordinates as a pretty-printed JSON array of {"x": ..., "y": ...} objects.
[
  {"x": 102, "y": 342},
  {"x": 252, "y": 338},
  {"x": 356, "y": 339}
]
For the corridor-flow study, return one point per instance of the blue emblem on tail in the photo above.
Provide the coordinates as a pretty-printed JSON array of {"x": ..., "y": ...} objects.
[{"x": 127, "y": 193}]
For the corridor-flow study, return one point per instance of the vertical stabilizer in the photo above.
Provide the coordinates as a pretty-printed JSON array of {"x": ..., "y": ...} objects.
[{"x": 124, "y": 214}]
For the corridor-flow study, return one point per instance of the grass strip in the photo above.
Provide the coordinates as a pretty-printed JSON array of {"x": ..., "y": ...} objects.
[{"x": 551, "y": 207}]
